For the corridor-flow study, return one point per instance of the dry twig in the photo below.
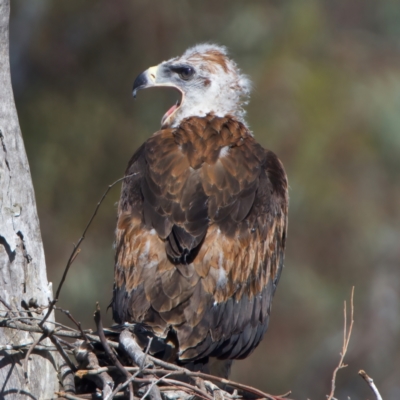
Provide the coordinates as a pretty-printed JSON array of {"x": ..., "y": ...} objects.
[
  {"x": 62, "y": 352},
  {"x": 2, "y": 300},
  {"x": 85, "y": 355},
  {"x": 69, "y": 396},
  {"x": 151, "y": 387},
  {"x": 346, "y": 340},
  {"x": 78, "y": 324},
  {"x": 52, "y": 303},
  {"x": 129, "y": 345},
  {"x": 67, "y": 378},
  {"x": 108, "y": 350},
  {"x": 173, "y": 370},
  {"x": 29, "y": 352},
  {"x": 76, "y": 250},
  {"x": 371, "y": 384},
  {"x": 162, "y": 368}
]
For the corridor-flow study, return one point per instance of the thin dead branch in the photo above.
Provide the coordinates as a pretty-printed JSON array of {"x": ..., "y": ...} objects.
[
  {"x": 371, "y": 384},
  {"x": 69, "y": 396},
  {"x": 285, "y": 395},
  {"x": 123, "y": 385},
  {"x": 76, "y": 250},
  {"x": 152, "y": 390},
  {"x": 109, "y": 351},
  {"x": 136, "y": 354},
  {"x": 158, "y": 369},
  {"x": 78, "y": 324},
  {"x": 42, "y": 329},
  {"x": 107, "y": 348},
  {"x": 67, "y": 378},
  {"x": 31, "y": 320},
  {"x": 31, "y": 348},
  {"x": 85, "y": 355},
  {"x": 3, "y": 301},
  {"x": 130, "y": 346},
  {"x": 346, "y": 340},
  {"x": 184, "y": 372},
  {"x": 63, "y": 353}
]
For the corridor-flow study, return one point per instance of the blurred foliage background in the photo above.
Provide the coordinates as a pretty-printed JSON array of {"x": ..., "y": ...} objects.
[{"x": 326, "y": 99}]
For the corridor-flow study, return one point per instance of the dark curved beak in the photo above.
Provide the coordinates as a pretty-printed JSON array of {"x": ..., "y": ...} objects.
[
  {"x": 145, "y": 79},
  {"x": 140, "y": 83}
]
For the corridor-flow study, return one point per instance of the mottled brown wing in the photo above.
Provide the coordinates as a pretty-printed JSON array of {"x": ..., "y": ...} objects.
[
  {"x": 252, "y": 250},
  {"x": 175, "y": 203},
  {"x": 200, "y": 237}
]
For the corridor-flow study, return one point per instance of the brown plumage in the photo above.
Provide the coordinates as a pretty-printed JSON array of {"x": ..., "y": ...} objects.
[{"x": 200, "y": 237}]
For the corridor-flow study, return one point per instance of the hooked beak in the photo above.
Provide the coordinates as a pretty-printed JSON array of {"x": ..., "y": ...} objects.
[
  {"x": 145, "y": 79},
  {"x": 153, "y": 77}
]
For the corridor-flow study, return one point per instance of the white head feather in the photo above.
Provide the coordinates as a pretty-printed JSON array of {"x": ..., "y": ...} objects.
[{"x": 217, "y": 85}]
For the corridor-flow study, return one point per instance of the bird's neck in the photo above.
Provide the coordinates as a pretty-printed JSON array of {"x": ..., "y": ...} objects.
[{"x": 215, "y": 102}]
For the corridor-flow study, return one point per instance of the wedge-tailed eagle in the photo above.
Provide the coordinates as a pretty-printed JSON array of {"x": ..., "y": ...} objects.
[{"x": 202, "y": 217}]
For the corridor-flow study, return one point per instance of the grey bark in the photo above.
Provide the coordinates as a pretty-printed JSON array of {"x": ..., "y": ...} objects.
[{"x": 22, "y": 263}]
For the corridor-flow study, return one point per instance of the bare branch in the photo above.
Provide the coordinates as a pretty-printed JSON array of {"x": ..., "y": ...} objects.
[
  {"x": 69, "y": 396},
  {"x": 9, "y": 323},
  {"x": 346, "y": 340},
  {"x": 371, "y": 384},
  {"x": 186, "y": 372},
  {"x": 179, "y": 384},
  {"x": 108, "y": 350},
  {"x": 26, "y": 359},
  {"x": 78, "y": 324},
  {"x": 67, "y": 378},
  {"x": 5, "y": 303},
  {"x": 103, "y": 381},
  {"x": 24, "y": 346},
  {"x": 129, "y": 345},
  {"x": 152, "y": 387},
  {"x": 159, "y": 371},
  {"x": 123, "y": 385},
  {"x": 76, "y": 250},
  {"x": 62, "y": 352},
  {"x": 26, "y": 319}
]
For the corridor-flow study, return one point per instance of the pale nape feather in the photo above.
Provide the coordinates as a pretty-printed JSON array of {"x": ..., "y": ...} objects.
[{"x": 226, "y": 90}]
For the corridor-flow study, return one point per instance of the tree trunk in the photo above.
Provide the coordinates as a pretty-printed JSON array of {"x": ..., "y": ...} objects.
[{"x": 22, "y": 264}]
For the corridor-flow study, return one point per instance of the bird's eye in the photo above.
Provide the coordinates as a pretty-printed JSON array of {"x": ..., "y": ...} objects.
[{"x": 184, "y": 72}]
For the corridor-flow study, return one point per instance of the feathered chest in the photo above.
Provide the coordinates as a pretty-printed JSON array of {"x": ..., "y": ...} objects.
[
  {"x": 204, "y": 170},
  {"x": 201, "y": 222}
]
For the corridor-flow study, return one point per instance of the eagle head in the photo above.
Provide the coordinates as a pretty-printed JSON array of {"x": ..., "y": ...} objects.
[{"x": 209, "y": 83}]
